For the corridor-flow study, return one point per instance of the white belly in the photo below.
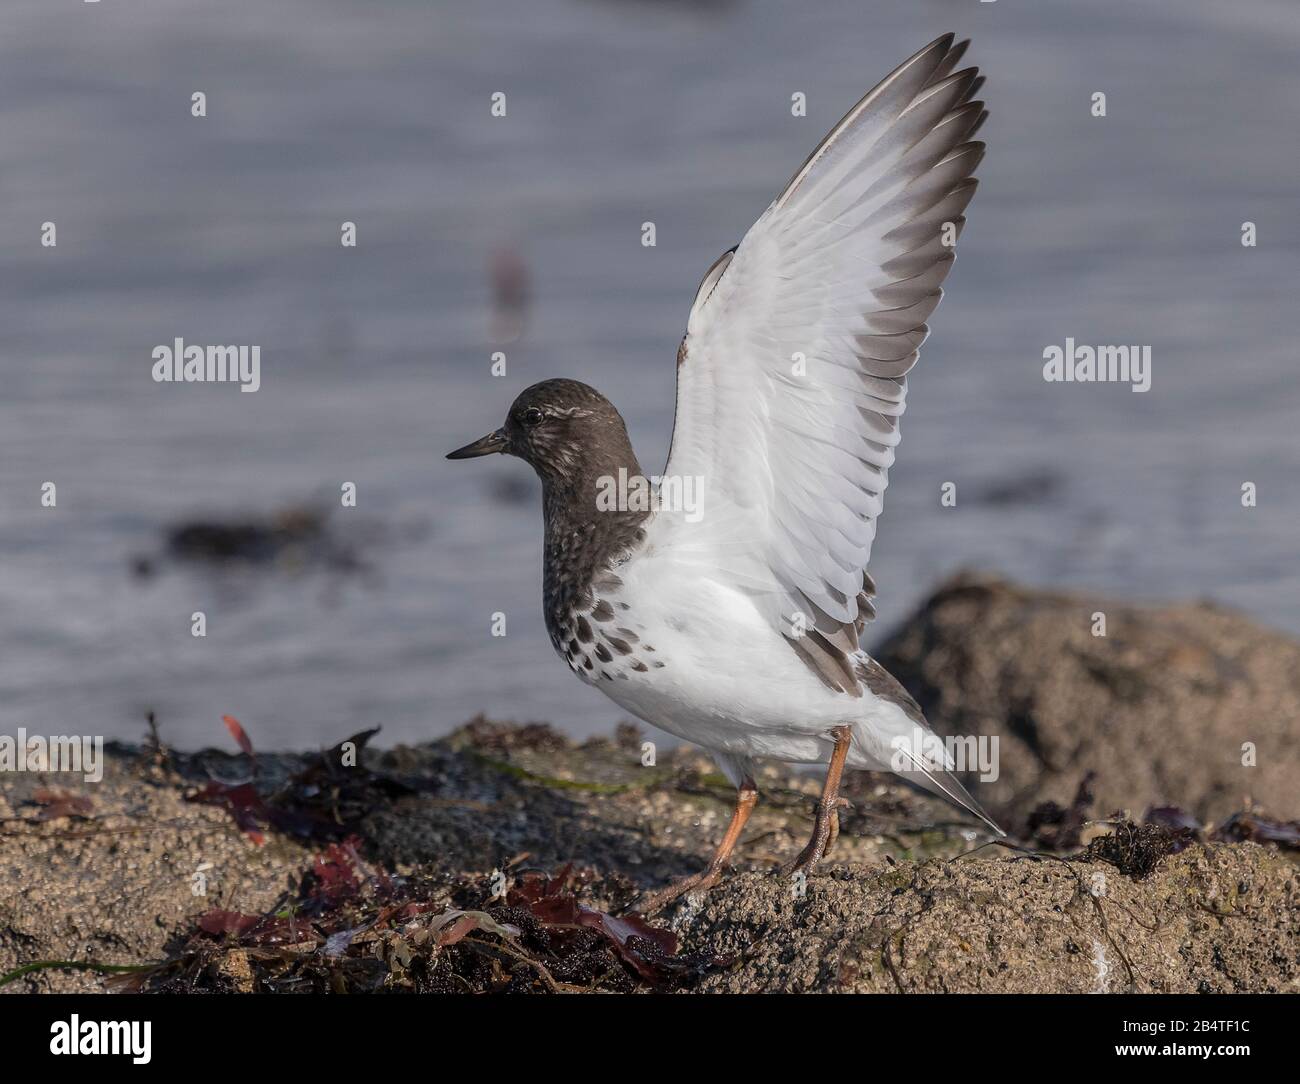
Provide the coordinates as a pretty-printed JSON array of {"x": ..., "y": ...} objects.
[{"x": 718, "y": 674}]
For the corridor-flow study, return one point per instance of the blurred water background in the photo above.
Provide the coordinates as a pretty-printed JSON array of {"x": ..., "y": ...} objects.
[{"x": 375, "y": 360}]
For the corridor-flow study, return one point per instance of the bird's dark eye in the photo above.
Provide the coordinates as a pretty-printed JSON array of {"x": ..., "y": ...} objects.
[{"x": 531, "y": 416}]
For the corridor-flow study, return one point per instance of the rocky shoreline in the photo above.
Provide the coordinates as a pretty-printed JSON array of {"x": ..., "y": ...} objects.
[{"x": 1147, "y": 855}]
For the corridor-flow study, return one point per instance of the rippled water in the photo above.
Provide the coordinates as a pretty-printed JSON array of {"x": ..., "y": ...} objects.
[{"x": 375, "y": 360}]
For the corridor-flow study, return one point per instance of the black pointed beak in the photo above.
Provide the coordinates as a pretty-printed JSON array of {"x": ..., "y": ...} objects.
[{"x": 493, "y": 442}]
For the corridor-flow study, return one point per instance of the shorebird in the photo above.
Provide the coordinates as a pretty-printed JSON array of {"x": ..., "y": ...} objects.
[{"x": 736, "y": 624}]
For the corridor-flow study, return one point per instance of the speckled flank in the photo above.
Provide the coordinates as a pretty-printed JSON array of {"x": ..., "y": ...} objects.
[{"x": 601, "y": 654}]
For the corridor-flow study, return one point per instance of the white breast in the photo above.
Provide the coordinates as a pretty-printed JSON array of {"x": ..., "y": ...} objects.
[{"x": 719, "y": 674}]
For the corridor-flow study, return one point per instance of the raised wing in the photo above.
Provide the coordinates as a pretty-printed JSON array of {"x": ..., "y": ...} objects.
[{"x": 791, "y": 377}]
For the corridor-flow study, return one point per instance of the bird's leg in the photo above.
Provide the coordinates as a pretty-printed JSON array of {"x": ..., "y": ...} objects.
[
  {"x": 826, "y": 825},
  {"x": 746, "y": 798}
]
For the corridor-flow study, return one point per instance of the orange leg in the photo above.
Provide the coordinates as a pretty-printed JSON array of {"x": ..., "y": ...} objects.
[
  {"x": 826, "y": 826},
  {"x": 746, "y": 799}
]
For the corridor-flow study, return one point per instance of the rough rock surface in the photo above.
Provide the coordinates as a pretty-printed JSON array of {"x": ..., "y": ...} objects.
[
  {"x": 1160, "y": 707},
  {"x": 913, "y": 898},
  {"x": 903, "y": 906},
  {"x": 1219, "y": 918},
  {"x": 115, "y": 888}
]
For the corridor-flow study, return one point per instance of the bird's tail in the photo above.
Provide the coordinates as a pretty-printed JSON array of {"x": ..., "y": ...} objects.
[{"x": 941, "y": 781}]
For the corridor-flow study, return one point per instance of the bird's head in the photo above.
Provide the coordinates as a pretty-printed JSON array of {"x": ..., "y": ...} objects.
[{"x": 564, "y": 428}]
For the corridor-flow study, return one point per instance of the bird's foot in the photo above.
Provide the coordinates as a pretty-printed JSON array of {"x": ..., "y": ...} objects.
[
  {"x": 840, "y": 803},
  {"x": 807, "y": 859},
  {"x": 655, "y": 902},
  {"x": 826, "y": 830}
]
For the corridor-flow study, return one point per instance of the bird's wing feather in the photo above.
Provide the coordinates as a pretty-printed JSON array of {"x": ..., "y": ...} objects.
[{"x": 792, "y": 373}]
